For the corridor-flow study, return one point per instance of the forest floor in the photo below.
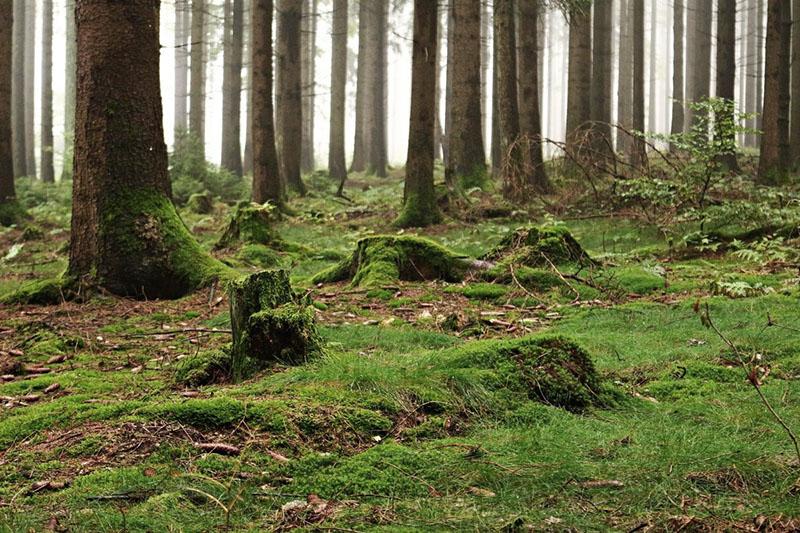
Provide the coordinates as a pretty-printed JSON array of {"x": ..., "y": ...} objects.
[{"x": 378, "y": 434}]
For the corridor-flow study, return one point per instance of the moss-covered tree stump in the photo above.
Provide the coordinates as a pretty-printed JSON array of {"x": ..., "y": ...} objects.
[
  {"x": 537, "y": 246},
  {"x": 270, "y": 324},
  {"x": 383, "y": 260},
  {"x": 201, "y": 203},
  {"x": 251, "y": 224}
]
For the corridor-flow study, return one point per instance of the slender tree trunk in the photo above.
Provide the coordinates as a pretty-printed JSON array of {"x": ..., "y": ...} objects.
[
  {"x": 359, "y": 163},
  {"x": 126, "y": 234},
  {"x": 507, "y": 96},
  {"x": 771, "y": 167},
  {"x": 376, "y": 92},
  {"x": 197, "y": 89},
  {"x": 496, "y": 150},
  {"x": 752, "y": 75},
  {"x": 337, "y": 164},
  {"x": 726, "y": 76},
  {"x": 290, "y": 109},
  {"x": 267, "y": 185},
  {"x": 677, "y": 68},
  {"x": 699, "y": 73},
  {"x": 232, "y": 87},
  {"x": 652, "y": 115},
  {"x": 760, "y": 66},
  {"x": 46, "y": 102},
  {"x": 784, "y": 102},
  {"x": 18, "y": 90},
  {"x": 71, "y": 67},
  {"x": 30, "y": 74},
  {"x": 182, "y": 26},
  {"x": 247, "y": 160},
  {"x": 438, "y": 138},
  {"x": 638, "y": 155},
  {"x": 580, "y": 78},
  {"x": 602, "y": 71},
  {"x": 309, "y": 44},
  {"x": 486, "y": 59},
  {"x": 448, "y": 37},
  {"x": 625, "y": 81},
  {"x": 7, "y": 193},
  {"x": 530, "y": 120},
  {"x": 420, "y": 207},
  {"x": 795, "y": 96}
]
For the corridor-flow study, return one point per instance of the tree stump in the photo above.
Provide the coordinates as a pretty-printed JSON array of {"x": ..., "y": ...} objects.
[
  {"x": 201, "y": 203},
  {"x": 270, "y": 324},
  {"x": 251, "y": 224}
]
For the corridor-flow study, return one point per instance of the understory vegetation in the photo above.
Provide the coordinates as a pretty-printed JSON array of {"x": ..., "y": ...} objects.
[{"x": 600, "y": 367}]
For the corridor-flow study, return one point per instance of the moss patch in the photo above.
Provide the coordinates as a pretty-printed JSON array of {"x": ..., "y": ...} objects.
[{"x": 251, "y": 224}]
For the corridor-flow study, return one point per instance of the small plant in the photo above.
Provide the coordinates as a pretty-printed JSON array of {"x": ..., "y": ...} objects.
[
  {"x": 230, "y": 494},
  {"x": 770, "y": 249}
]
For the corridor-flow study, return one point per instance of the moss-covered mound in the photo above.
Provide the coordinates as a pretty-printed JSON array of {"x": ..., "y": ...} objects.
[
  {"x": 538, "y": 246},
  {"x": 270, "y": 324},
  {"x": 206, "y": 367},
  {"x": 251, "y": 224},
  {"x": 383, "y": 260},
  {"x": 49, "y": 291},
  {"x": 201, "y": 203}
]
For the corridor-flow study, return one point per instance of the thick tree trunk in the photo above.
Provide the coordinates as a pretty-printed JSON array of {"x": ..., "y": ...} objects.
[
  {"x": 30, "y": 74},
  {"x": 466, "y": 164},
  {"x": 18, "y": 90},
  {"x": 420, "y": 208},
  {"x": 625, "y": 81},
  {"x": 267, "y": 185},
  {"x": 530, "y": 120},
  {"x": 46, "y": 153},
  {"x": 638, "y": 155},
  {"x": 795, "y": 93},
  {"x": 699, "y": 64},
  {"x": 309, "y": 43},
  {"x": 232, "y": 87},
  {"x": 360, "y": 147},
  {"x": 126, "y": 234},
  {"x": 6, "y": 145},
  {"x": 290, "y": 108},
  {"x": 726, "y": 76},
  {"x": 677, "y": 68},
  {"x": 580, "y": 78},
  {"x": 602, "y": 72},
  {"x": 182, "y": 26},
  {"x": 69, "y": 91},
  {"x": 337, "y": 164},
  {"x": 375, "y": 127},
  {"x": 197, "y": 87},
  {"x": 511, "y": 156},
  {"x": 771, "y": 167}
]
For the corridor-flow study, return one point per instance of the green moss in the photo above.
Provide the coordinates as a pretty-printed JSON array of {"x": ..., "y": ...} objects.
[
  {"x": 259, "y": 255},
  {"x": 40, "y": 292},
  {"x": 638, "y": 280},
  {"x": 204, "y": 368},
  {"x": 201, "y": 413},
  {"x": 286, "y": 334},
  {"x": 485, "y": 291},
  {"x": 383, "y": 260},
  {"x": 32, "y": 233},
  {"x": 418, "y": 212},
  {"x": 539, "y": 246},
  {"x": 11, "y": 212},
  {"x": 251, "y": 224},
  {"x": 201, "y": 203}
]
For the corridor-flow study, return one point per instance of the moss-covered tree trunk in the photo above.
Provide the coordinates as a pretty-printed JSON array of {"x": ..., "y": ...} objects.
[
  {"x": 290, "y": 108},
  {"x": 126, "y": 234},
  {"x": 266, "y": 173},
  {"x": 420, "y": 208},
  {"x": 6, "y": 147}
]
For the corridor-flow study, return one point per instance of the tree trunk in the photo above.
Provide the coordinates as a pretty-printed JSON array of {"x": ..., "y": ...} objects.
[
  {"x": 699, "y": 64},
  {"x": 677, "y": 69},
  {"x": 18, "y": 90},
  {"x": 760, "y": 47},
  {"x": 46, "y": 154},
  {"x": 30, "y": 73},
  {"x": 360, "y": 147},
  {"x": 267, "y": 185},
  {"x": 511, "y": 156},
  {"x": 69, "y": 91},
  {"x": 530, "y": 121},
  {"x": 466, "y": 164},
  {"x": 309, "y": 43},
  {"x": 580, "y": 78},
  {"x": 247, "y": 160},
  {"x": 795, "y": 92},
  {"x": 652, "y": 116},
  {"x": 638, "y": 155},
  {"x": 602, "y": 71},
  {"x": 197, "y": 87},
  {"x": 625, "y": 81},
  {"x": 496, "y": 150},
  {"x": 420, "y": 208},
  {"x": 232, "y": 87},
  {"x": 486, "y": 58},
  {"x": 446, "y": 36},
  {"x": 126, "y": 234},
  {"x": 290, "y": 108},
  {"x": 726, "y": 76},
  {"x": 182, "y": 26},
  {"x": 7, "y": 193},
  {"x": 771, "y": 163},
  {"x": 337, "y": 164},
  {"x": 375, "y": 127}
]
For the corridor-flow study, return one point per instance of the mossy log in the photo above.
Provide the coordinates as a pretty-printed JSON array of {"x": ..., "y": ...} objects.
[
  {"x": 201, "y": 203},
  {"x": 383, "y": 260},
  {"x": 270, "y": 324},
  {"x": 251, "y": 224}
]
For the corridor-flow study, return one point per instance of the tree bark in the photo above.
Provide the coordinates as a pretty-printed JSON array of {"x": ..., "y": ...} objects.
[
  {"x": 337, "y": 164},
  {"x": 30, "y": 74},
  {"x": 466, "y": 164},
  {"x": 760, "y": 66},
  {"x": 771, "y": 167},
  {"x": 602, "y": 71},
  {"x": 486, "y": 58},
  {"x": 267, "y": 185},
  {"x": 197, "y": 87},
  {"x": 126, "y": 234},
  {"x": 6, "y": 145},
  {"x": 625, "y": 81},
  {"x": 638, "y": 154},
  {"x": 511, "y": 156},
  {"x": 530, "y": 120},
  {"x": 420, "y": 208},
  {"x": 182, "y": 27},
  {"x": 18, "y": 90},
  {"x": 726, "y": 76},
  {"x": 290, "y": 107},
  {"x": 375, "y": 127},
  {"x": 652, "y": 116},
  {"x": 360, "y": 147},
  {"x": 46, "y": 153},
  {"x": 69, "y": 91},
  {"x": 309, "y": 44},
  {"x": 677, "y": 68},
  {"x": 699, "y": 64},
  {"x": 795, "y": 91},
  {"x": 580, "y": 78},
  {"x": 231, "y": 159}
]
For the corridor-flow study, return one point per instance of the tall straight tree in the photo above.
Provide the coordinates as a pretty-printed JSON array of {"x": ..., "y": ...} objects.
[
  {"x": 267, "y": 185},
  {"x": 419, "y": 206},
  {"x": 726, "y": 77},
  {"x": 233, "y": 28},
  {"x": 70, "y": 63},
  {"x": 653, "y": 69},
  {"x": 183, "y": 17},
  {"x": 7, "y": 193},
  {"x": 337, "y": 164},
  {"x": 625, "y": 80},
  {"x": 638, "y": 154},
  {"x": 18, "y": 90},
  {"x": 486, "y": 61},
  {"x": 528, "y": 72},
  {"x": 375, "y": 127},
  {"x": 753, "y": 79},
  {"x": 121, "y": 191},
  {"x": 30, "y": 75},
  {"x": 760, "y": 66},
  {"x": 699, "y": 64},
  {"x": 466, "y": 163},
  {"x": 677, "y": 67},
  {"x": 795, "y": 91},
  {"x": 290, "y": 107},
  {"x": 46, "y": 154},
  {"x": 309, "y": 55},
  {"x": 507, "y": 101},
  {"x": 773, "y": 158},
  {"x": 580, "y": 77},
  {"x": 360, "y": 148},
  {"x": 197, "y": 84},
  {"x": 602, "y": 71}
]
